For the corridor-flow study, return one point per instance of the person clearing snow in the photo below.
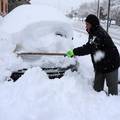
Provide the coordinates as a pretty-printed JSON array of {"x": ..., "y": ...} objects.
[{"x": 104, "y": 54}]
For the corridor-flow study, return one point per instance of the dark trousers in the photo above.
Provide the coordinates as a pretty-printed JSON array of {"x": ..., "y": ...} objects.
[{"x": 111, "y": 80}]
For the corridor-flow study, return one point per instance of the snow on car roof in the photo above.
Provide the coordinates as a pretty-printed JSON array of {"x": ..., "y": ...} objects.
[{"x": 25, "y": 15}]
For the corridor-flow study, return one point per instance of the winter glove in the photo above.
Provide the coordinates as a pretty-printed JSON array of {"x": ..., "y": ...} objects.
[{"x": 70, "y": 54}]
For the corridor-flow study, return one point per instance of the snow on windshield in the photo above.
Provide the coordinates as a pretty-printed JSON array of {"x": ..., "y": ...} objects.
[{"x": 39, "y": 27}]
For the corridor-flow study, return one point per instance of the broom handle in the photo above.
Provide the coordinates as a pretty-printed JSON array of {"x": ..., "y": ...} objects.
[{"x": 41, "y": 53}]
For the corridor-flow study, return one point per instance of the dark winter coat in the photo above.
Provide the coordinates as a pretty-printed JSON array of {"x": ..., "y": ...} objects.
[{"x": 100, "y": 41}]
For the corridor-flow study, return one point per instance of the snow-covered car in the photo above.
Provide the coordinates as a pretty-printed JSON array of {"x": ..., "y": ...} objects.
[{"x": 40, "y": 28}]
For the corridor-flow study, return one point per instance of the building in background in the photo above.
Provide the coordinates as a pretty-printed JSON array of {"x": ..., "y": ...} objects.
[
  {"x": 8, "y": 5},
  {"x": 3, "y": 7},
  {"x": 14, "y": 3}
]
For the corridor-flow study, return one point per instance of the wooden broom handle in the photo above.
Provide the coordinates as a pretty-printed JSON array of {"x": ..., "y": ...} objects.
[{"x": 41, "y": 53}]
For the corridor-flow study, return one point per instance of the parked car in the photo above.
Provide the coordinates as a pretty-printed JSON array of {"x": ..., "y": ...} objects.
[{"x": 40, "y": 28}]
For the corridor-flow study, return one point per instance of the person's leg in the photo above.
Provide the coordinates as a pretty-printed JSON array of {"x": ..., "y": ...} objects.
[
  {"x": 112, "y": 82},
  {"x": 99, "y": 82}
]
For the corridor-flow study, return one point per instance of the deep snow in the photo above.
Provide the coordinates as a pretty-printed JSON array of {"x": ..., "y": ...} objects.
[
  {"x": 25, "y": 15},
  {"x": 35, "y": 97},
  {"x": 34, "y": 33}
]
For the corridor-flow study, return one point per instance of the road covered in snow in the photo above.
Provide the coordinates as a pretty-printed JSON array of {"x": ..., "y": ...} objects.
[
  {"x": 35, "y": 97},
  {"x": 114, "y": 30}
]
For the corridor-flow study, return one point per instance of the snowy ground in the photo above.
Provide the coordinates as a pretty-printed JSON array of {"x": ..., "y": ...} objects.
[{"x": 35, "y": 97}]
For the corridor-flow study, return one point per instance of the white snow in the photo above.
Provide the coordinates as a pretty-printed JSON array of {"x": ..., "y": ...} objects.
[
  {"x": 38, "y": 33},
  {"x": 99, "y": 55},
  {"x": 25, "y": 15},
  {"x": 63, "y": 5},
  {"x": 35, "y": 97}
]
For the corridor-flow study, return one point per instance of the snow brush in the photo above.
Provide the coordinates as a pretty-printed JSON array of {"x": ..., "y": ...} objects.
[{"x": 41, "y": 53}]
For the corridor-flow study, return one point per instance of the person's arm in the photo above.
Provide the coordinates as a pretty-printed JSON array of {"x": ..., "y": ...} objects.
[{"x": 83, "y": 50}]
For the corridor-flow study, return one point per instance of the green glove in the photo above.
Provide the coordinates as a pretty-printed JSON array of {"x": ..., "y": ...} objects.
[{"x": 70, "y": 54}]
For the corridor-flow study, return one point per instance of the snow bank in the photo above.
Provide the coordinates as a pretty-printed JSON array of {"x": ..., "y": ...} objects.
[
  {"x": 35, "y": 97},
  {"x": 8, "y": 59}
]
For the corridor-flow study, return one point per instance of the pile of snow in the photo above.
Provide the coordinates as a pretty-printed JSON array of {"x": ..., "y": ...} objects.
[
  {"x": 30, "y": 27},
  {"x": 36, "y": 28},
  {"x": 8, "y": 59},
  {"x": 35, "y": 97}
]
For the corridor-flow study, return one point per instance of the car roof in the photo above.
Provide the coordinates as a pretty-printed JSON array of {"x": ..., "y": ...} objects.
[{"x": 25, "y": 15}]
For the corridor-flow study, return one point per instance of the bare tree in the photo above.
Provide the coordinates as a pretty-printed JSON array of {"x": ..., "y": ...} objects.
[
  {"x": 115, "y": 14},
  {"x": 87, "y": 8}
]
